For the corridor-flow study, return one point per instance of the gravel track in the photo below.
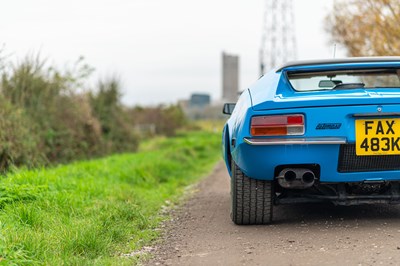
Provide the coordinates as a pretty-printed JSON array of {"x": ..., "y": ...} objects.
[{"x": 201, "y": 233}]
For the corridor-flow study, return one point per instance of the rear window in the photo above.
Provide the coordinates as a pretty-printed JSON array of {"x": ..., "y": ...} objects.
[{"x": 345, "y": 79}]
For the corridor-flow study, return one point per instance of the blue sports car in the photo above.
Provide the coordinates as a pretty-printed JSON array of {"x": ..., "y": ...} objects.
[{"x": 315, "y": 131}]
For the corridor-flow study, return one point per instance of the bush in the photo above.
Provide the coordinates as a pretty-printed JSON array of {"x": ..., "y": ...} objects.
[
  {"x": 62, "y": 119},
  {"x": 116, "y": 127},
  {"x": 166, "y": 120},
  {"x": 74, "y": 133},
  {"x": 46, "y": 115},
  {"x": 19, "y": 142},
  {"x": 43, "y": 118}
]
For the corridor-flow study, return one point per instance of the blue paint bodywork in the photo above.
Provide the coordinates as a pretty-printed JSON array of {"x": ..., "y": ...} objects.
[{"x": 272, "y": 94}]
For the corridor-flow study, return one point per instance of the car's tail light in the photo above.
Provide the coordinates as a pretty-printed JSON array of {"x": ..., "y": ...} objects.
[{"x": 277, "y": 125}]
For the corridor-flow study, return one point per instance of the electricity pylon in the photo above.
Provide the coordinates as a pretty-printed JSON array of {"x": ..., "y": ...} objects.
[{"x": 278, "y": 43}]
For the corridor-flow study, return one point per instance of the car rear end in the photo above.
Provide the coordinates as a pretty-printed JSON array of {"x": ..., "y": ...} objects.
[{"x": 338, "y": 141}]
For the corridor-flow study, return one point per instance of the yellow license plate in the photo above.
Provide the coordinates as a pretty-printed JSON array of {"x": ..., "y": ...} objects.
[{"x": 378, "y": 136}]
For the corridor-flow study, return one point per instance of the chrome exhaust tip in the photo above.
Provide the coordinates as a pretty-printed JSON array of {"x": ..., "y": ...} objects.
[
  {"x": 308, "y": 177},
  {"x": 290, "y": 176},
  {"x": 296, "y": 178}
]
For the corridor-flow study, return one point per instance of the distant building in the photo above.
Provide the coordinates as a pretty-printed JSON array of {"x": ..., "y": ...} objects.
[
  {"x": 230, "y": 77},
  {"x": 199, "y": 106},
  {"x": 199, "y": 100}
]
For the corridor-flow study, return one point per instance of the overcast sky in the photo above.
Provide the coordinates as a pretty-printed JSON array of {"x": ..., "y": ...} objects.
[{"x": 162, "y": 50}]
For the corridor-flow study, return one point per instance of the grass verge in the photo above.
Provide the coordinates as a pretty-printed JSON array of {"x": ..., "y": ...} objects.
[{"x": 91, "y": 212}]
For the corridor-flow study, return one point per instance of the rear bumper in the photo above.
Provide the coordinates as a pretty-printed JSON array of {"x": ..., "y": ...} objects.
[{"x": 258, "y": 158}]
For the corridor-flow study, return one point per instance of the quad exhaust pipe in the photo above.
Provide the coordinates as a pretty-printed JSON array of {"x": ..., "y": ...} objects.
[{"x": 297, "y": 178}]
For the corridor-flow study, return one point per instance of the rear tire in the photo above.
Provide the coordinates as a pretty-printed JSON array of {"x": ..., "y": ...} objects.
[{"x": 251, "y": 199}]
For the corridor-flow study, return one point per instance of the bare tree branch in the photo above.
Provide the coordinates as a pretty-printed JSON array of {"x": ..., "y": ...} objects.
[{"x": 366, "y": 27}]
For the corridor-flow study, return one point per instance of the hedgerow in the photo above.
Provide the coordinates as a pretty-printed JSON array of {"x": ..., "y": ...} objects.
[{"x": 49, "y": 115}]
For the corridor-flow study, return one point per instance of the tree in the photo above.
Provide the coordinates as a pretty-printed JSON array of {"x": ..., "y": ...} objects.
[{"x": 366, "y": 27}]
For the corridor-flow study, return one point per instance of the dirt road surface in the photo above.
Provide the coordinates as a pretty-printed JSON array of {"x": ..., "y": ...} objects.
[{"x": 201, "y": 233}]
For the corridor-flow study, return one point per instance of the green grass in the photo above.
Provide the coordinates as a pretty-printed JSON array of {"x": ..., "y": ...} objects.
[{"x": 91, "y": 212}]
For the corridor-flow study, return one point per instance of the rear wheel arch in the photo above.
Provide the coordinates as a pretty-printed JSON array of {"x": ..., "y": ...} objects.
[{"x": 227, "y": 149}]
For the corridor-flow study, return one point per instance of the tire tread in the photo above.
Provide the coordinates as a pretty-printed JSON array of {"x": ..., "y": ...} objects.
[{"x": 252, "y": 199}]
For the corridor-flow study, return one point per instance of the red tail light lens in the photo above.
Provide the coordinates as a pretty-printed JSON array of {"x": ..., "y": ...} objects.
[{"x": 277, "y": 125}]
